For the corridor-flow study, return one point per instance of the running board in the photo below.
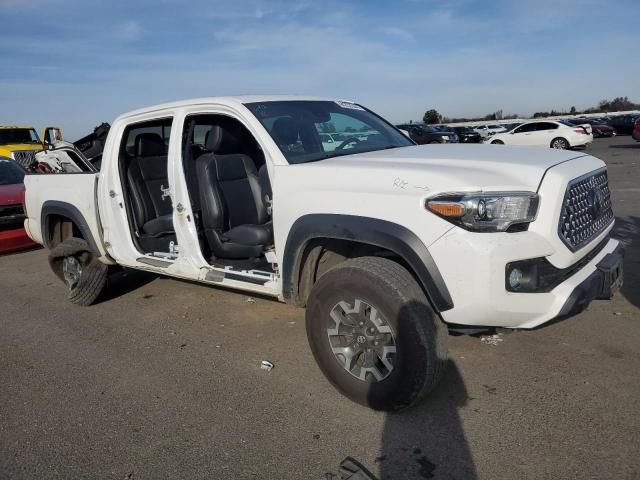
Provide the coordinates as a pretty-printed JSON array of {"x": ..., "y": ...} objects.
[
  {"x": 256, "y": 277},
  {"x": 154, "y": 262}
]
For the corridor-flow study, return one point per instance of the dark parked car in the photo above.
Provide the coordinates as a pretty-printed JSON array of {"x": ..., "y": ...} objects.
[
  {"x": 623, "y": 123},
  {"x": 467, "y": 134},
  {"x": 599, "y": 129},
  {"x": 422, "y": 134}
]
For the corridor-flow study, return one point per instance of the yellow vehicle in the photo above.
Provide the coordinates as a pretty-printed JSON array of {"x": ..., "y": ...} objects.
[{"x": 22, "y": 143}]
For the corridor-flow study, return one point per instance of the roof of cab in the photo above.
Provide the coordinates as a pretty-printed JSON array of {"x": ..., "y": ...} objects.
[{"x": 229, "y": 100}]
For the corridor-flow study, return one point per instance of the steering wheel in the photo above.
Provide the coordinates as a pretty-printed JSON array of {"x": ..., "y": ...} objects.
[{"x": 348, "y": 141}]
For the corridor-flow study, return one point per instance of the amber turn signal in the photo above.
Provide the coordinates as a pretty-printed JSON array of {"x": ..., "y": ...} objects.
[{"x": 446, "y": 209}]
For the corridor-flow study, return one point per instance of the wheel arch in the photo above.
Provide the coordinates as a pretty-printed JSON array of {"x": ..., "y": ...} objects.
[
  {"x": 61, "y": 220},
  {"x": 350, "y": 236}
]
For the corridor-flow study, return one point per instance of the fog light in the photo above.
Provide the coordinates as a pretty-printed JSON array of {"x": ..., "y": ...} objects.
[{"x": 515, "y": 278}]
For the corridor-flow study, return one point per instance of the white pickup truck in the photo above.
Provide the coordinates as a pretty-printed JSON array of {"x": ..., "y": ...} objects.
[{"x": 384, "y": 242}]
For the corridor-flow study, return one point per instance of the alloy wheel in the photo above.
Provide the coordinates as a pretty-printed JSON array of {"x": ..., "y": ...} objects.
[
  {"x": 71, "y": 270},
  {"x": 361, "y": 340}
]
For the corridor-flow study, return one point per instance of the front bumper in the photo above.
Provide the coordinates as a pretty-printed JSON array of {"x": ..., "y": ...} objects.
[
  {"x": 14, "y": 240},
  {"x": 473, "y": 268},
  {"x": 601, "y": 284}
]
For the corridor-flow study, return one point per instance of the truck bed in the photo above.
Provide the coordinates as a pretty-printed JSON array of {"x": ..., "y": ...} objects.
[{"x": 71, "y": 195}]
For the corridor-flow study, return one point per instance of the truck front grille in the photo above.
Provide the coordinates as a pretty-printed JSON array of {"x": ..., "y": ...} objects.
[
  {"x": 586, "y": 210},
  {"x": 24, "y": 157},
  {"x": 11, "y": 217}
]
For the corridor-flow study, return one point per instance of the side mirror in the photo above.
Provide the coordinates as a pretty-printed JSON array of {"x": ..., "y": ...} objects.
[{"x": 51, "y": 135}]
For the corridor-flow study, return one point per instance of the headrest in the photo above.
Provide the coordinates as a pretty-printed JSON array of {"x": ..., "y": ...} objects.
[
  {"x": 221, "y": 141},
  {"x": 149, "y": 145},
  {"x": 285, "y": 131}
]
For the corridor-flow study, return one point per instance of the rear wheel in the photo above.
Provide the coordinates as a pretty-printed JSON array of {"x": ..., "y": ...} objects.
[
  {"x": 84, "y": 275},
  {"x": 374, "y": 334},
  {"x": 560, "y": 143},
  {"x": 434, "y": 142},
  {"x": 497, "y": 142}
]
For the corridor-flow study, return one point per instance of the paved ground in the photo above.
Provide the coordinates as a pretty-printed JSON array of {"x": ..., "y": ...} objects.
[{"x": 162, "y": 381}]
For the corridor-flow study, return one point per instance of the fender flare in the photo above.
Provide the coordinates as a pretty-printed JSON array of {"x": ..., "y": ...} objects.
[
  {"x": 371, "y": 231},
  {"x": 54, "y": 207}
]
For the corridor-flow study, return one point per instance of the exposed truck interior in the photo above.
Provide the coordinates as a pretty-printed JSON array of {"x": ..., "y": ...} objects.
[
  {"x": 228, "y": 186},
  {"x": 143, "y": 167}
]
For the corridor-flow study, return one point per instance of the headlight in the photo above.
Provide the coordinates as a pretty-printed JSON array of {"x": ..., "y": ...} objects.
[
  {"x": 486, "y": 212},
  {"x": 445, "y": 137}
]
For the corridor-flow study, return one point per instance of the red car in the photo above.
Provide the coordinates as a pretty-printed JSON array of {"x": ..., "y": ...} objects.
[
  {"x": 12, "y": 233},
  {"x": 636, "y": 130}
]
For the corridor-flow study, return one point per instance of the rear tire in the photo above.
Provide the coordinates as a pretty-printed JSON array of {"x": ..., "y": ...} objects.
[
  {"x": 560, "y": 143},
  {"x": 497, "y": 142},
  {"x": 374, "y": 334},
  {"x": 433, "y": 142},
  {"x": 84, "y": 275}
]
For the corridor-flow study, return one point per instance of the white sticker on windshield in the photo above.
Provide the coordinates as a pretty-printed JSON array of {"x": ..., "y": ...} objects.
[{"x": 352, "y": 106}]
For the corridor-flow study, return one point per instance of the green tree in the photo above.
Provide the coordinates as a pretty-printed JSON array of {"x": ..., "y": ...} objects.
[
  {"x": 432, "y": 116},
  {"x": 328, "y": 127},
  {"x": 572, "y": 111}
]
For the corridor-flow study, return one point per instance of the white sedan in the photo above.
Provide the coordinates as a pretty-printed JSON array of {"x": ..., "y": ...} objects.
[
  {"x": 548, "y": 133},
  {"x": 486, "y": 131}
]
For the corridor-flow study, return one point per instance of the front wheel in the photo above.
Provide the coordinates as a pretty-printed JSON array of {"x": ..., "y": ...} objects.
[
  {"x": 560, "y": 143},
  {"x": 84, "y": 275},
  {"x": 497, "y": 142},
  {"x": 374, "y": 334}
]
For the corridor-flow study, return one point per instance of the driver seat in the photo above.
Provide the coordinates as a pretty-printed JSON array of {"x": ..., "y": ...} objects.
[{"x": 234, "y": 216}]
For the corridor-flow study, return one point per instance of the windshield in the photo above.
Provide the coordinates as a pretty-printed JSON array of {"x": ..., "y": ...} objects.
[
  {"x": 18, "y": 135},
  {"x": 301, "y": 129},
  {"x": 10, "y": 172}
]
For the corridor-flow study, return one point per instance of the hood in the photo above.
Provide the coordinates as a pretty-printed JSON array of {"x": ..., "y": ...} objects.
[
  {"x": 456, "y": 167},
  {"x": 11, "y": 194}
]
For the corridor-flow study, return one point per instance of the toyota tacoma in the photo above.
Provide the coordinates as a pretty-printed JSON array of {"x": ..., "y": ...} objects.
[{"x": 386, "y": 243}]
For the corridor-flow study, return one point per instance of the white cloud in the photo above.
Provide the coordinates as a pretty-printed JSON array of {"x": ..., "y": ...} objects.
[
  {"x": 129, "y": 30},
  {"x": 397, "y": 32}
]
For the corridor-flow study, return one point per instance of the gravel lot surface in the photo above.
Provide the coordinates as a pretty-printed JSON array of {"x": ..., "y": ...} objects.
[{"x": 162, "y": 380}]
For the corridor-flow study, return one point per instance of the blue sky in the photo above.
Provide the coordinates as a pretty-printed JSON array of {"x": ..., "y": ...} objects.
[{"x": 77, "y": 63}]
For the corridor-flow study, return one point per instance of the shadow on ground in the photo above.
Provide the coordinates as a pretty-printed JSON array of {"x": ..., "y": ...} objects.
[
  {"x": 125, "y": 281},
  {"x": 428, "y": 441},
  {"x": 631, "y": 145},
  {"x": 627, "y": 230}
]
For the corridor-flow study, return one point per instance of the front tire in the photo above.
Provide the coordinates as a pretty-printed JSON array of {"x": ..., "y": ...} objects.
[
  {"x": 497, "y": 142},
  {"x": 560, "y": 143},
  {"x": 374, "y": 334},
  {"x": 84, "y": 275}
]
